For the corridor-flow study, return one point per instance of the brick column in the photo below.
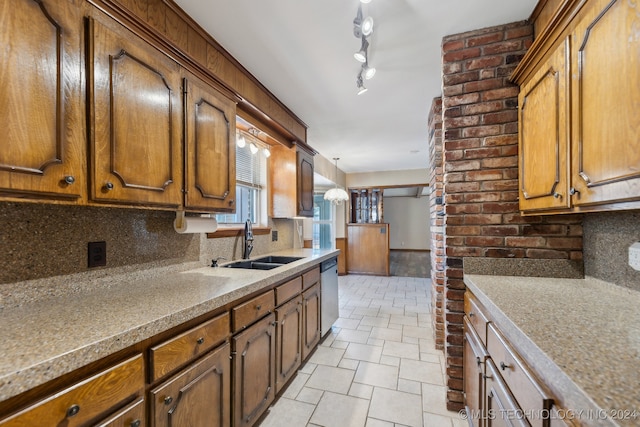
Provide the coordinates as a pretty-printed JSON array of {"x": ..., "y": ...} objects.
[
  {"x": 480, "y": 148},
  {"x": 437, "y": 221}
]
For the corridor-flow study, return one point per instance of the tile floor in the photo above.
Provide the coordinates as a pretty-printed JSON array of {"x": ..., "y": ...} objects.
[{"x": 377, "y": 368}]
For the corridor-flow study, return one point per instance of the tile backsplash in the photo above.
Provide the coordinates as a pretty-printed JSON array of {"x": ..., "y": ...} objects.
[
  {"x": 607, "y": 237},
  {"x": 45, "y": 240}
]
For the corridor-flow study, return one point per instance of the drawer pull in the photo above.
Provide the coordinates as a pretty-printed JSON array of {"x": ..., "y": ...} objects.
[
  {"x": 200, "y": 340},
  {"x": 168, "y": 400},
  {"x": 478, "y": 361},
  {"x": 258, "y": 307},
  {"x": 487, "y": 377},
  {"x": 504, "y": 366},
  {"x": 136, "y": 423},
  {"x": 471, "y": 314},
  {"x": 73, "y": 410}
]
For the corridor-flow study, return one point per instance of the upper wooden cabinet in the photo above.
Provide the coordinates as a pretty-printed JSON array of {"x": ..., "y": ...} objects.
[
  {"x": 304, "y": 182},
  {"x": 290, "y": 182},
  {"x": 210, "y": 164},
  {"x": 41, "y": 99},
  {"x": 578, "y": 101},
  {"x": 135, "y": 112}
]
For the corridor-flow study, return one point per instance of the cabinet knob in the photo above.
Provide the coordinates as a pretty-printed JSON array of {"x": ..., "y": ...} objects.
[
  {"x": 69, "y": 179},
  {"x": 557, "y": 195},
  {"x": 276, "y": 323},
  {"x": 73, "y": 410},
  {"x": 108, "y": 186},
  {"x": 573, "y": 191},
  {"x": 504, "y": 366},
  {"x": 258, "y": 307},
  {"x": 231, "y": 202},
  {"x": 471, "y": 314},
  {"x": 168, "y": 400},
  {"x": 200, "y": 340},
  {"x": 135, "y": 423}
]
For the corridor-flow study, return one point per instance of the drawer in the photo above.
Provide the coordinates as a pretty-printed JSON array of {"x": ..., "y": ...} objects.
[
  {"x": 528, "y": 392},
  {"x": 94, "y": 397},
  {"x": 476, "y": 317},
  {"x": 252, "y": 310},
  {"x": 310, "y": 278},
  {"x": 132, "y": 415},
  {"x": 288, "y": 290},
  {"x": 176, "y": 352}
]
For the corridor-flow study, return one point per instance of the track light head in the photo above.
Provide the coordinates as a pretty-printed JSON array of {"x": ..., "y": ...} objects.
[
  {"x": 367, "y": 71},
  {"x": 361, "y": 55},
  {"x": 360, "y": 84},
  {"x": 362, "y": 26}
]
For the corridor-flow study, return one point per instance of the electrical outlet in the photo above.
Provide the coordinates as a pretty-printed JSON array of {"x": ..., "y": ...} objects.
[
  {"x": 634, "y": 256},
  {"x": 274, "y": 235},
  {"x": 97, "y": 254}
]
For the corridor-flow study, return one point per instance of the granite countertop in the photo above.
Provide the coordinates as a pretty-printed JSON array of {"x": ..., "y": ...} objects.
[
  {"x": 58, "y": 331},
  {"x": 581, "y": 336}
]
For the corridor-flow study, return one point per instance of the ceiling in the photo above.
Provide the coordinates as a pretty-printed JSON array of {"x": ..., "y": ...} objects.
[{"x": 302, "y": 51}]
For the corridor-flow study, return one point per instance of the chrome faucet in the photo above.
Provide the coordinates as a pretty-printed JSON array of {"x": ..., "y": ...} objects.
[{"x": 248, "y": 239}]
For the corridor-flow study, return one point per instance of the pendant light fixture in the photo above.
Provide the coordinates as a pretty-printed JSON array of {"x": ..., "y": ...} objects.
[{"x": 336, "y": 195}]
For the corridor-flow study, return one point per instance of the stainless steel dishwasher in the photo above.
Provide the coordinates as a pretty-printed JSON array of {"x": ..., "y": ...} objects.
[{"x": 329, "y": 292}]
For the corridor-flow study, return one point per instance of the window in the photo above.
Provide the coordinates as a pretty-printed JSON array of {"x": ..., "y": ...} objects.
[
  {"x": 323, "y": 228},
  {"x": 251, "y": 178}
]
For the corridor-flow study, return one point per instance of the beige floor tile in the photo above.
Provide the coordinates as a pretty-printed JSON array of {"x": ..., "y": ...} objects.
[
  {"x": 337, "y": 410},
  {"x": 377, "y": 375},
  {"x": 434, "y": 399},
  {"x": 366, "y": 328},
  {"x": 344, "y": 323},
  {"x": 327, "y": 356},
  {"x": 404, "y": 320},
  {"x": 307, "y": 368},
  {"x": 424, "y": 372},
  {"x": 386, "y": 334},
  {"x": 340, "y": 344},
  {"x": 409, "y": 386},
  {"x": 398, "y": 349},
  {"x": 353, "y": 336},
  {"x": 363, "y": 391},
  {"x": 310, "y": 395},
  {"x": 377, "y": 342},
  {"x": 410, "y": 340},
  {"x": 390, "y": 360},
  {"x": 430, "y": 357},
  {"x": 396, "y": 406},
  {"x": 437, "y": 420},
  {"x": 349, "y": 364},
  {"x": 458, "y": 420},
  {"x": 372, "y": 422},
  {"x": 287, "y": 412},
  {"x": 390, "y": 310},
  {"x": 329, "y": 378},
  {"x": 296, "y": 384},
  {"x": 366, "y": 311},
  {"x": 380, "y": 322},
  {"x": 368, "y": 353},
  {"x": 416, "y": 332}
]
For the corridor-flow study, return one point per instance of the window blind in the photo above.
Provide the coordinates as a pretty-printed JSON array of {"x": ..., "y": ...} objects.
[{"x": 249, "y": 166}]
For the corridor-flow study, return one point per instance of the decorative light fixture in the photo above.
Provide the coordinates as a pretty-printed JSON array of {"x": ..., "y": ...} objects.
[
  {"x": 336, "y": 195},
  {"x": 362, "y": 29},
  {"x": 253, "y": 147},
  {"x": 266, "y": 152},
  {"x": 240, "y": 141}
]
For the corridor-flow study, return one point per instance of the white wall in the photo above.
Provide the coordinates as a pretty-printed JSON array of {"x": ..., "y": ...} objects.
[
  {"x": 388, "y": 178},
  {"x": 408, "y": 219}
]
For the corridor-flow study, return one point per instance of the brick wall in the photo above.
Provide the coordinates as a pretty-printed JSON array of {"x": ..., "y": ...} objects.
[
  {"x": 437, "y": 221},
  {"x": 480, "y": 187}
]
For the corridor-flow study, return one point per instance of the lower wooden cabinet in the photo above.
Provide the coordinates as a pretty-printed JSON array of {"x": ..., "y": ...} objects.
[
  {"x": 94, "y": 401},
  {"x": 310, "y": 319},
  {"x": 200, "y": 395},
  {"x": 474, "y": 368},
  {"x": 254, "y": 352},
  {"x": 501, "y": 407},
  {"x": 288, "y": 338}
]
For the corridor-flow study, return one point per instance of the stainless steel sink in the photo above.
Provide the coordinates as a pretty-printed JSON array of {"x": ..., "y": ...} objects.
[{"x": 264, "y": 263}]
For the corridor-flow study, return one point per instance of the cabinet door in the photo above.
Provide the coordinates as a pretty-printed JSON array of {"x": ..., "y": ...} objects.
[
  {"x": 501, "y": 408},
  {"x": 135, "y": 115},
  {"x": 210, "y": 148},
  {"x": 543, "y": 137},
  {"x": 310, "y": 320},
  {"x": 254, "y": 352},
  {"x": 474, "y": 357},
  {"x": 289, "y": 336},
  {"x": 199, "y": 396},
  {"x": 305, "y": 183},
  {"x": 41, "y": 99},
  {"x": 606, "y": 89},
  {"x": 282, "y": 182}
]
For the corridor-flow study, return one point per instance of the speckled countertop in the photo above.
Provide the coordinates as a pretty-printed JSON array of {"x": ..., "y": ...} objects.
[
  {"x": 581, "y": 336},
  {"x": 58, "y": 332}
]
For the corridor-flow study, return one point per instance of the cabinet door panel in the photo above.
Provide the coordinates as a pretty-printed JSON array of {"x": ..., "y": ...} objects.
[
  {"x": 543, "y": 142},
  {"x": 305, "y": 183},
  {"x": 135, "y": 94},
  {"x": 606, "y": 89},
  {"x": 210, "y": 148},
  {"x": 198, "y": 396},
  {"x": 289, "y": 335},
  {"x": 310, "y": 320},
  {"x": 41, "y": 98},
  {"x": 254, "y": 352},
  {"x": 474, "y": 358}
]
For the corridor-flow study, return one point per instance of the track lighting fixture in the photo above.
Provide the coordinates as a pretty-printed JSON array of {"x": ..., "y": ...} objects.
[{"x": 362, "y": 29}]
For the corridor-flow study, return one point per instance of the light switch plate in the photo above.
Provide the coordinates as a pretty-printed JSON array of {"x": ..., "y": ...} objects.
[{"x": 634, "y": 256}]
